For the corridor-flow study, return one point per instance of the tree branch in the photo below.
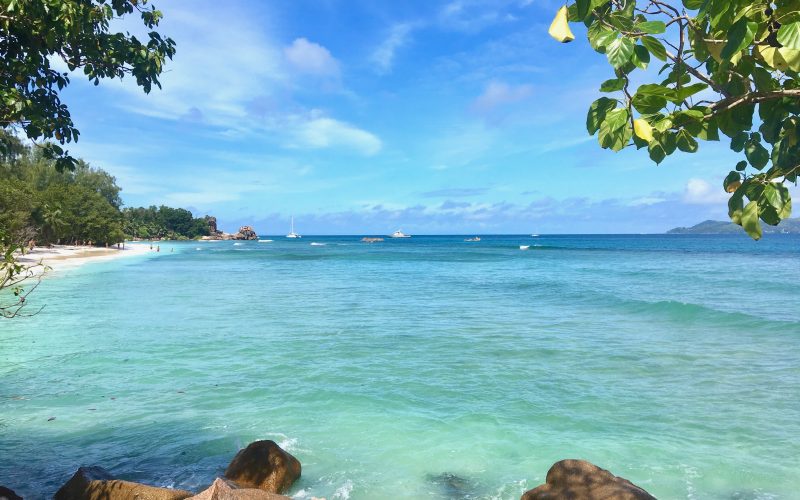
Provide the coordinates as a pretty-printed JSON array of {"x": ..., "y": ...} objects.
[{"x": 752, "y": 98}]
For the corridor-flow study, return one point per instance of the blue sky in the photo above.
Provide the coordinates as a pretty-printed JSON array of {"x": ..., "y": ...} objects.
[{"x": 364, "y": 117}]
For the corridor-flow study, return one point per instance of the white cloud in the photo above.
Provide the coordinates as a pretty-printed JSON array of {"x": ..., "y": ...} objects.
[
  {"x": 383, "y": 55},
  {"x": 323, "y": 132},
  {"x": 312, "y": 58},
  {"x": 498, "y": 94},
  {"x": 700, "y": 192}
]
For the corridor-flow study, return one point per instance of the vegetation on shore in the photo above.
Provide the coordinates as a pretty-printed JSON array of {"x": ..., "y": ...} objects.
[{"x": 40, "y": 204}]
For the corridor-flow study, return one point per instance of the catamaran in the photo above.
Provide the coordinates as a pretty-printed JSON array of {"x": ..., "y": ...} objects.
[
  {"x": 292, "y": 234},
  {"x": 400, "y": 234}
]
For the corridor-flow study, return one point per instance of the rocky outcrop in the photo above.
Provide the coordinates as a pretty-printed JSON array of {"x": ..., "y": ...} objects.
[
  {"x": 8, "y": 494},
  {"x": 264, "y": 465},
  {"x": 96, "y": 483},
  {"x": 212, "y": 226},
  {"x": 579, "y": 479},
  {"x": 246, "y": 233},
  {"x": 228, "y": 490}
]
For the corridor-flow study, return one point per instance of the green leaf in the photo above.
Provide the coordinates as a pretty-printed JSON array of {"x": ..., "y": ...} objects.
[
  {"x": 612, "y": 85},
  {"x": 750, "y": 221},
  {"x": 685, "y": 92},
  {"x": 789, "y": 35},
  {"x": 777, "y": 195},
  {"x": 597, "y": 113},
  {"x": 741, "y": 166},
  {"x": 757, "y": 155},
  {"x": 655, "y": 47},
  {"x": 686, "y": 142},
  {"x": 652, "y": 27},
  {"x": 648, "y": 104},
  {"x": 736, "y": 206},
  {"x": 614, "y": 132},
  {"x": 619, "y": 52},
  {"x": 740, "y": 36},
  {"x": 641, "y": 57}
]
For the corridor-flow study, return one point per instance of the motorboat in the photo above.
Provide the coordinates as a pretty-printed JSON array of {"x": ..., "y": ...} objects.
[{"x": 400, "y": 234}]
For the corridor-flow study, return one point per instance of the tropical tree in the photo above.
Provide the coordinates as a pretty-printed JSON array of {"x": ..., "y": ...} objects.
[
  {"x": 728, "y": 66},
  {"x": 35, "y": 33}
]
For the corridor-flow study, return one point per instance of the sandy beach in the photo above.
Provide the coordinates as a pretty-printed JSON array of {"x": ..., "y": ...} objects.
[{"x": 59, "y": 257}]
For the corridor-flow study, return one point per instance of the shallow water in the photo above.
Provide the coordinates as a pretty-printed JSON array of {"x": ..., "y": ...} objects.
[{"x": 420, "y": 368}]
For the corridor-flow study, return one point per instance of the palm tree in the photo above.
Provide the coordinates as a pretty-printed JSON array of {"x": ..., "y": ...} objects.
[{"x": 51, "y": 222}]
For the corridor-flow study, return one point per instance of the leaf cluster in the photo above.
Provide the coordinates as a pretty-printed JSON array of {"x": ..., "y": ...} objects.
[
  {"x": 34, "y": 34},
  {"x": 727, "y": 70}
]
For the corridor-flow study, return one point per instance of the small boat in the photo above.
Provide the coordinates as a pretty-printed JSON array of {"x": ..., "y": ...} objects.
[
  {"x": 292, "y": 234},
  {"x": 400, "y": 234},
  {"x": 524, "y": 247},
  {"x": 535, "y": 235},
  {"x": 476, "y": 238},
  {"x": 371, "y": 240},
  {"x": 265, "y": 241}
]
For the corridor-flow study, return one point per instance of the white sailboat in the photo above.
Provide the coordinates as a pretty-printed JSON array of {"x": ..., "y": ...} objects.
[{"x": 292, "y": 234}]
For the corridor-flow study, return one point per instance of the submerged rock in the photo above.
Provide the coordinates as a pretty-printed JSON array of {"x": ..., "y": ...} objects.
[
  {"x": 579, "y": 479},
  {"x": 96, "y": 483},
  {"x": 264, "y": 465},
  {"x": 228, "y": 490},
  {"x": 453, "y": 486},
  {"x": 8, "y": 494}
]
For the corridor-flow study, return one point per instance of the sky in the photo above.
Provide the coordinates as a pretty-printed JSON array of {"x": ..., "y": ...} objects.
[{"x": 364, "y": 117}]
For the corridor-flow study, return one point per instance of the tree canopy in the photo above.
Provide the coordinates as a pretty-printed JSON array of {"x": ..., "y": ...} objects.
[
  {"x": 726, "y": 68},
  {"x": 34, "y": 34}
]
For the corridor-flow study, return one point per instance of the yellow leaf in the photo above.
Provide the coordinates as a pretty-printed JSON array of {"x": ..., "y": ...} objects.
[
  {"x": 715, "y": 49},
  {"x": 559, "y": 29},
  {"x": 780, "y": 58},
  {"x": 643, "y": 130}
]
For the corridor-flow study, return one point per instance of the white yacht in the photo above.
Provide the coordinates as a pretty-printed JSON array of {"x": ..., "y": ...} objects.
[
  {"x": 292, "y": 234},
  {"x": 400, "y": 234}
]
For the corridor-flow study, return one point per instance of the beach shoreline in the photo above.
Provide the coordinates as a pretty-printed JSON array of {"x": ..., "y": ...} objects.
[{"x": 60, "y": 257}]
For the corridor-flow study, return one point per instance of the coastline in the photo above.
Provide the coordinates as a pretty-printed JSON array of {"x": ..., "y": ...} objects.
[{"x": 60, "y": 257}]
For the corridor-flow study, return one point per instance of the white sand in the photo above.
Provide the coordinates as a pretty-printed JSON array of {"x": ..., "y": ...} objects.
[{"x": 60, "y": 257}]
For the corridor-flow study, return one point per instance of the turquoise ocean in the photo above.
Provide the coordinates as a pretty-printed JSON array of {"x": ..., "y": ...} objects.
[{"x": 428, "y": 367}]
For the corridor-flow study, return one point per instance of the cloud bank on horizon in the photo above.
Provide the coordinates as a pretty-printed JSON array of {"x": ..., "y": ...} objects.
[{"x": 458, "y": 116}]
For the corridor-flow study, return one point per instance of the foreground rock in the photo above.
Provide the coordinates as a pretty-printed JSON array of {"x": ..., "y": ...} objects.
[
  {"x": 96, "y": 483},
  {"x": 579, "y": 479},
  {"x": 8, "y": 494},
  {"x": 264, "y": 465},
  {"x": 228, "y": 490}
]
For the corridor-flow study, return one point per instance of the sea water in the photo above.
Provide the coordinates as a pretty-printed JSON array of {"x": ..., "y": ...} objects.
[{"x": 427, "y": 367}]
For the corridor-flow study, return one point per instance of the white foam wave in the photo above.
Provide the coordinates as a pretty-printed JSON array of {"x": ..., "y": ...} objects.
[
  {"x": 265, "y": 241},
  {"x": 315, "y": 244},
  {"x": 238, "y": 244},
  {"x": 344, "y": 490}
]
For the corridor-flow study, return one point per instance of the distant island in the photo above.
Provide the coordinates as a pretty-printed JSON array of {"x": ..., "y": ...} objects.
[{"x": 787, "y": 226}]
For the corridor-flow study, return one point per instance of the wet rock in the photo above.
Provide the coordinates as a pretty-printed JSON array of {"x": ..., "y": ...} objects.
[
  {"x": 579, "y": 479},
  {"x": 8, "y": 494},
  {"x": 96, "y": 483},
  {"x": 228, "y": 490},
  {"x": 264, "y": 465}
]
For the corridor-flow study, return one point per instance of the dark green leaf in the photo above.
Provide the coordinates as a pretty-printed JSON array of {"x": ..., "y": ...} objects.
[
  {"x": 612, "y": 85},
  {"x": 750, "y": 221},
  {"x": 655, "y": 47},
  {"x": 597, "y": 113},
  {"x": 740, "y": 36}
]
